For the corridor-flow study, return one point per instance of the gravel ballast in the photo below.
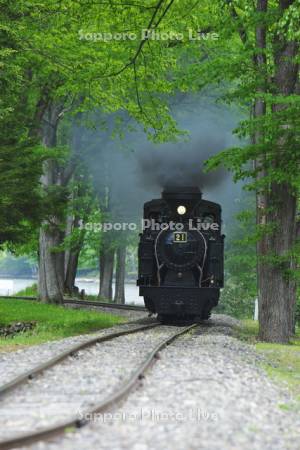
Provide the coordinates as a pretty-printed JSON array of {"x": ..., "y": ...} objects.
[
  {"x": 207, "y": 391},
  {"x": 80, "y": 381}
]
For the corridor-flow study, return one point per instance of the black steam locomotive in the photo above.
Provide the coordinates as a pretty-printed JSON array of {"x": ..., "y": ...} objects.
[{"x": 181, "y": 254}]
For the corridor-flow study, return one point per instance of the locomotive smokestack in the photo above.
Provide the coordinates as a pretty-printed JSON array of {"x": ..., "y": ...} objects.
[{"x": 183, "y": 192}]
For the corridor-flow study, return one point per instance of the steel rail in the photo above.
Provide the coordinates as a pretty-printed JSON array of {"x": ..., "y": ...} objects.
[
  {"x": 31, "y": 373},
  {"x": 119, "y": 394},
  {"x": 105, "y": 305}
]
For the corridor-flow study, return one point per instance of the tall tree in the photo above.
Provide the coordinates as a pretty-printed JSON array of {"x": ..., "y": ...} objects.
[
  {"x": 51, "y": 259},
  {"x": 276, "y": 292},
  {"x": 269, "y": 54}
]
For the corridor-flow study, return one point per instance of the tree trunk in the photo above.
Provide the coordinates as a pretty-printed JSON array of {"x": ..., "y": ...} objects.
[
  {"x": 276, "y": 204},
  {"x": 72, "y": 265},
  {"x": 68, "y": 232},
  {"x": 286, "y": 83},
  {"x": 51, "y": 261},
  {"x": 120, "y": 275},
  {"x": 260, "y": 111},
  {"x": 50, "y": 281},
  {"x": 107, "y": 257},
  {"x": 276, "y": 308},
  {"x": 72, "y": 256}
]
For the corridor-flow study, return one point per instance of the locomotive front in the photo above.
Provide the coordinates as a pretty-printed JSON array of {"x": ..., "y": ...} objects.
[{"x": 181, "y": 255}]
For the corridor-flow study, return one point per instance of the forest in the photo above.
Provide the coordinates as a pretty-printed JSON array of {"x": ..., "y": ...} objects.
[{"x": 105, "y": 102}]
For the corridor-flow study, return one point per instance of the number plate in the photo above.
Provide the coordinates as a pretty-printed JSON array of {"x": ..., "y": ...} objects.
[{"x": 180, "y": 236}]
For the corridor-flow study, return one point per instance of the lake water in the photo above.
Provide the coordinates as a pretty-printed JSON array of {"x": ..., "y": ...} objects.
[{"x": 91, "y": 287}]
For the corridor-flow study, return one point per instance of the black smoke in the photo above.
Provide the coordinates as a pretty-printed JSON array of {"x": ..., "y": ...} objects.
[
  {"x": 136, "y": 170},
  {"x": 182, "y": 164}
]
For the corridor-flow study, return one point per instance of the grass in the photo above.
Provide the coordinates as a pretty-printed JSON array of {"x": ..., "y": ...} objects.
[
  {"x": 248, "y": 331},
  {"x": 53, "y": 322},
  {"x": 282, "y": 361},
  {"x": 29, "y": 291}
]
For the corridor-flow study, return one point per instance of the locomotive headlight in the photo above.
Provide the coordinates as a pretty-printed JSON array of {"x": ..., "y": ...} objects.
[{"x": 181, "y": 210}]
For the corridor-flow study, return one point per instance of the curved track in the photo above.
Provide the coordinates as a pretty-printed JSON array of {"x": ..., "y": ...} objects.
[
  {"x": 120, "y": 392},
  {"x": 37, "y": 370}
]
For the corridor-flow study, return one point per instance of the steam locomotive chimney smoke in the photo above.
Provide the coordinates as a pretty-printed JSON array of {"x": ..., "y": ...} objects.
[
  {"x": 182, "y": 164},
  {"x": 135, "y": 169}
]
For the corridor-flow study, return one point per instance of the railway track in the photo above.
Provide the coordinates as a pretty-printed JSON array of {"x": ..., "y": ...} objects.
[
  {"x": 105, "y": 305},
  {"x": 72, "y": 301},
  {"x": 39, "y": 369},
  {"x": 121, "y": 391}
]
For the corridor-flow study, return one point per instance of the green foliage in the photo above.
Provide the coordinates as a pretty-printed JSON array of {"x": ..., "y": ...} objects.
[
  {"x": 60, "y": 55},
  {"x": 236, "y": 301},
  {"x": 89, "y": 255},
  {"x": 50, "y": 56},
  {"x": 53, "y": 322},
  {"x": 240, "y": 291},
  {"x": 21, "y": 200},
  {"x": 248, "y": 83}
]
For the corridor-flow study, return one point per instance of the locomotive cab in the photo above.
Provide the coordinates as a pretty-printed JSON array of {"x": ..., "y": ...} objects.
[{"x": 181, "y": 255}]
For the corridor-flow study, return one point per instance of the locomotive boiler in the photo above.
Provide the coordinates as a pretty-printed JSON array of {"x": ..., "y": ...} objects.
[{"x": 181, "y": 252}]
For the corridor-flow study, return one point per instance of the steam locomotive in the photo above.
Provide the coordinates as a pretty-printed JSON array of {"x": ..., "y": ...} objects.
[{"x": 181, "y": 253}]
